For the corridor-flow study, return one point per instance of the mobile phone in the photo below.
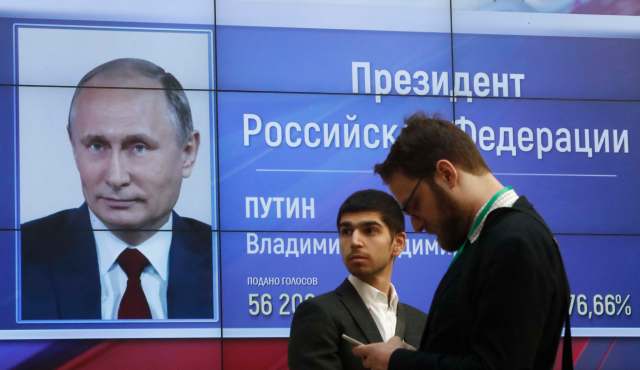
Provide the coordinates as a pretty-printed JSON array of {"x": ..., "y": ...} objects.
[{"x": 355, "y": 342}]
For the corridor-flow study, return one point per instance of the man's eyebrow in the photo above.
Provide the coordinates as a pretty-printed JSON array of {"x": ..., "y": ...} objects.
[
  {"x": 140, "y": 137},
  {"x": 366, "y": 223},
  {"x": 89, "y": 138}
]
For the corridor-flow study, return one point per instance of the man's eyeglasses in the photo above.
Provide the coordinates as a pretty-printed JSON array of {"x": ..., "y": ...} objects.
[{"x": 407, "y": 203}]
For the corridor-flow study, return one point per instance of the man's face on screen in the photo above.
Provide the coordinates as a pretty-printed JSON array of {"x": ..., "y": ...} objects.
[
  {"x": 366, "y": 244},
  {"x": 130, "y": 160}
]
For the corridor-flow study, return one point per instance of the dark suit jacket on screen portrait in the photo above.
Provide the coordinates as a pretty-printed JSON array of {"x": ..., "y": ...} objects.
[
  {"x": 502, "y": 302},
  {"x": 60, "y": 278},
  {"x": 319, "y": 323}
]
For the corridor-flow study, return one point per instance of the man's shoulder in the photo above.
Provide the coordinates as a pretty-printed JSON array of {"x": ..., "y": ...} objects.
[
  {"x": 52, "y": 222},
  {"x": 518, "y": 235},
  {"x": 324, "y": 300},
  {"x": 57, "y": 229},
  {"x": 327, "y": 304},
  {"x": 182, "y": 223},
  {"x": 518, "y": 222},
  {"x": 412, "y": 311},
  {"x": 193, "y": 235},
  {"x": 315, "y": 312}
]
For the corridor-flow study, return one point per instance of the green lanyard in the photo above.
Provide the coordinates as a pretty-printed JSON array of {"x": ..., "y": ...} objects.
[{"x": 483, "y": 213}]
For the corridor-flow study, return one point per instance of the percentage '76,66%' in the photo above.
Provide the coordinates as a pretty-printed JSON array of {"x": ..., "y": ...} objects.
[{"x": 598, "y": 305}]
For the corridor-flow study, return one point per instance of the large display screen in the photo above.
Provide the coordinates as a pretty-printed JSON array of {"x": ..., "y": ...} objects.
[{"x": 292, "y": 104}]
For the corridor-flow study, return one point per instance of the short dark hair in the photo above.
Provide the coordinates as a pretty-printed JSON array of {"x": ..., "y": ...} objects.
[
  {"x": 179, "y": 111},
  {"x": 371, "y": 200},
  {"x": 423, "y": 142}
]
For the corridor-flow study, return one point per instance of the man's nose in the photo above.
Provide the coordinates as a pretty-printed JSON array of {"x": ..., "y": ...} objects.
[
  {"x": 417, "y": 224},
  {"x": 117, "y": 172},
  {"x": 356, "y": 239}
]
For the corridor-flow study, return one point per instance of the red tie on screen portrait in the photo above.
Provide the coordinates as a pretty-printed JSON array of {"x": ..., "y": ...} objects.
[{"x": 133, "y": 304}]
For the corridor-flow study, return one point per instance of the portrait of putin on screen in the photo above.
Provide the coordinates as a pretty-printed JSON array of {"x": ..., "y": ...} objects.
[{"x": 124, "y": 253}]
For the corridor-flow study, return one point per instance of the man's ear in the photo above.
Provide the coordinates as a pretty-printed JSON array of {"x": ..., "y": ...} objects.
[
  {"x": 398, "y": 244},
  {"x": 73, "y": 145},
  {"x": 446, "y": 173},
  {"x": 190, "y": 153}
]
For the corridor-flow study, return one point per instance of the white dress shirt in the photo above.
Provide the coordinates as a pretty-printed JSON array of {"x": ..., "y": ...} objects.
[
  {"x": 113, "y": 280},
  {"x": 382, "y": 309}
]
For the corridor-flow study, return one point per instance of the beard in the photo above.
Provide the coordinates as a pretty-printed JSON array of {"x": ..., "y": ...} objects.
[{"x": 453, "y": 228}]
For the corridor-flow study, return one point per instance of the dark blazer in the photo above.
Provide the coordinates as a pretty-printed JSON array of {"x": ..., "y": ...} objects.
[
  {"x": 60, "y": 278},
  {"x": 501, "y": 304},
  {"x": 319, "y": 323}
]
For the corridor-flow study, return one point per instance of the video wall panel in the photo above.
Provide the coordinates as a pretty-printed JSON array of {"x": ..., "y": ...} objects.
[
  {"x": 575, "y": 158},
  {"x": 43, "y": 113},
  {"x": 185, "y": 51},
  {"x": 7, "y": 157},
  {"x": 147, "y": 11},
  {"x": 602, "y": 302},
  {"x": 533, "y": 49},
  {"x": 329, "y": 60},
  {"x": 8, "y": 284},
  {"x": 57, "y": 293},
  {"x": 293, "y": 104},
  {"x": 267, "y": 274},
  {"x": 304, "y": 153}
]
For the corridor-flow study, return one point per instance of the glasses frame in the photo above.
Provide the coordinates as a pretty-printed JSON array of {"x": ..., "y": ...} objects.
[{"x": 407, "y": 203}]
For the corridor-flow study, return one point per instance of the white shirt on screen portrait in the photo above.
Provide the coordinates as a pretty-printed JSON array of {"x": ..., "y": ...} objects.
[
  {"x": 113, "y": 280},
  {"x": 382, "y": 308}
]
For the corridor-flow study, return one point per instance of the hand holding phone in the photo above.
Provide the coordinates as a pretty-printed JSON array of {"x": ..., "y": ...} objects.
[
  {"x": 353, "y": 341},
  {"x": 408, "y": 346}
]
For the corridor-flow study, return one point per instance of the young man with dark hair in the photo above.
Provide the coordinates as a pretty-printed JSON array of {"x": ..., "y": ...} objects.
[
  {"x": 365, "y": 306},
  {"x": 504, "y": 299}
]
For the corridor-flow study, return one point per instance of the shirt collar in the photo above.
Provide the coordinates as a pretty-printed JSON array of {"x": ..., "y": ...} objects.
[
  {"x": 109, "y": 247},
  {"x": 506, "y": 200},
  {"x": 371, "y": 295}
]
